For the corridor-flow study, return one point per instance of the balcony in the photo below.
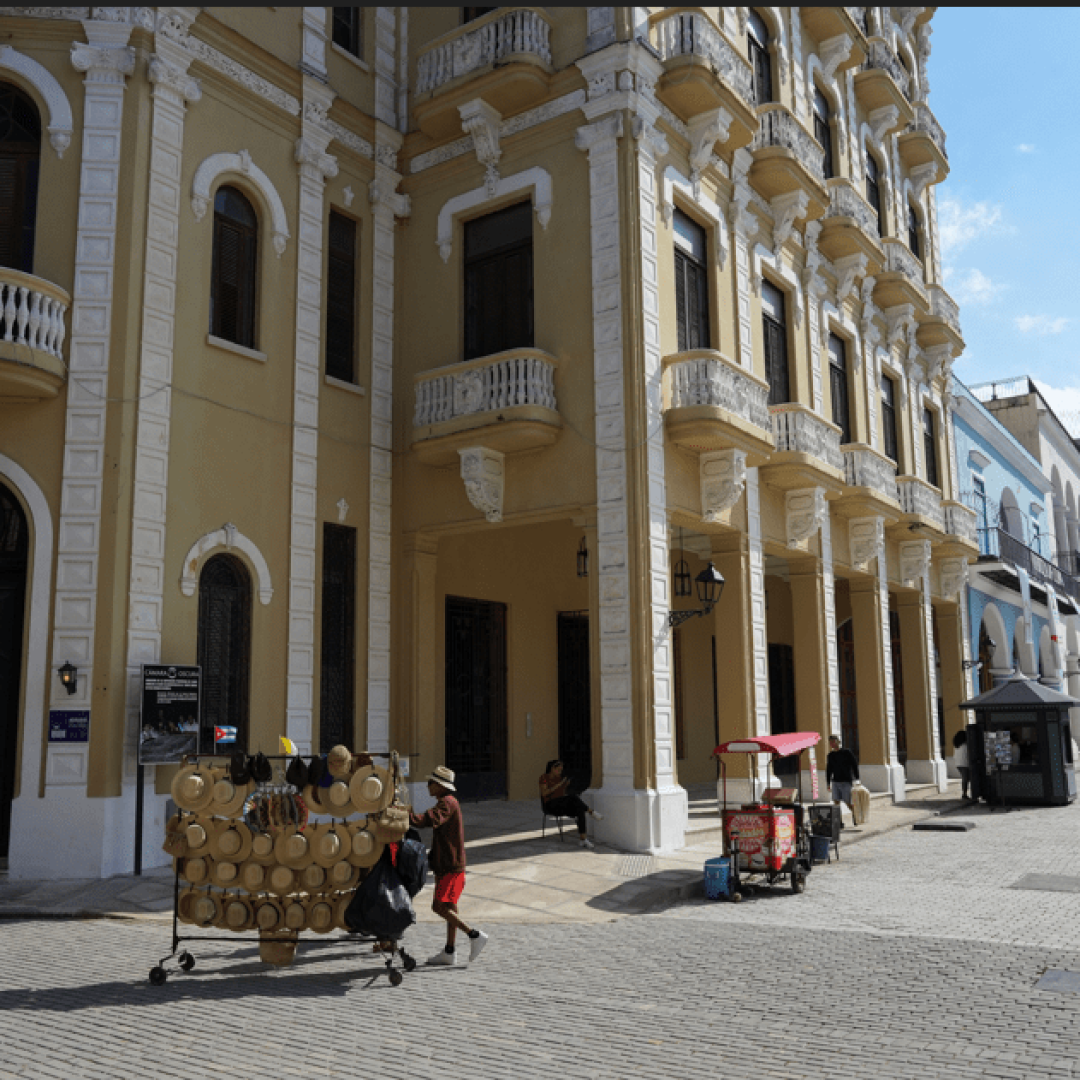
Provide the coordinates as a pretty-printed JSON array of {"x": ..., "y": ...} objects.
[
  {"x": 503, "y": 57},
  {"x": 961, "y": 533},
  {"x": 921, "y": 506},
  {"x": 850, "y": 227},
  {"x": 883, "y": 81},
  {"x": 825, "y": 23},
  {"x": 941, "y": 324},
  {"x": 924, "y": 142},
  {"x": 504, "y": 402},
  {"x": 712, "y": 404},
  {"x": 998, "y": 546},
  {"x": 787, "y": 158},
  {"x": 807, "y": 451},
  {"x": 703, "y": 71},
  {"x": 902, "y": 279},
  {"x": 32, "y": 335},
  {"x": 870, "y": 479}
]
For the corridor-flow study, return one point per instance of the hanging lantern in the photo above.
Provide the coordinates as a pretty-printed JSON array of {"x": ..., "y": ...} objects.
[{"x": 582, "y": 559}]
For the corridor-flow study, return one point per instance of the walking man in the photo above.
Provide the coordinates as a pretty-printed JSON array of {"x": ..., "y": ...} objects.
[
  {"x": 447, "y": 862},
  {"x": 841, "y": 771}
]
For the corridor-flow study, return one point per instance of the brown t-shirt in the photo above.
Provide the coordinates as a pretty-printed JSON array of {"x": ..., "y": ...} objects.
[
  {"x": 556, "y": 788},
  {"x": 447, "y": 837}
]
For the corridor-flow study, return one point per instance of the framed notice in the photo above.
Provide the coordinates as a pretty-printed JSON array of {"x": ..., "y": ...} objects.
[
  {"x": 69, "y": 725},
  {"x": 170, "y": 713}
]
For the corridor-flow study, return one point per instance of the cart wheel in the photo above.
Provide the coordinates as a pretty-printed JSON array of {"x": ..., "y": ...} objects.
[
  {"x": 187, "y": 961},
  {"x": 408, "y": 962},
  {"x": 395, "y": 978},
  {"x": 158, "y": 976},
  {"x": 736, "y": 897},
  {"x": 798, "y": 883}
]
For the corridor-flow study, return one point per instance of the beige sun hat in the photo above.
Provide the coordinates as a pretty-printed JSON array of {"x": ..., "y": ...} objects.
[
  {"x": 371, "y": 789},
  {"x": 262, "y": 848},
  {"x": 313, "y": 878},
  {"x": 198, "y": 833},
  {"x": 320, "y": 914},
  {"x": 364, "y": 848},
  {"x": 343, "y": 875},
  {"x": 339, "y": 762},
  {"x": 196, "y": 869},
  {"x": 339, "y": 797},
  {"x": 227, "y": 799},
  {"x": 193, "y": 786},
  {"x": 269, "y": 914},
  {"x": 184, "y": 902},
  {"x": 293, "y": 848},
  {"x": 237, "y": 913},
  {"x": 225, "y": 874},
  {"x": 442, "y": 775},
  {"x": 312, "y": 796},
  {"x": 281, "y": 880},
  {"x": 296, "y": 915},
  {"x": 329, "y": 842},
  {"x": 206, "y": 909},
  {"x": 231, "y": 841},
  {"x": 253, "y": 876}
]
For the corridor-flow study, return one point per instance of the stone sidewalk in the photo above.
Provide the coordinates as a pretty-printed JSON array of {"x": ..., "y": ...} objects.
[{"x": 514, "y": 873}]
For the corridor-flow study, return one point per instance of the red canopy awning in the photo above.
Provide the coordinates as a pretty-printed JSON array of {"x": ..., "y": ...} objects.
[{"x": 792, "y": 742}]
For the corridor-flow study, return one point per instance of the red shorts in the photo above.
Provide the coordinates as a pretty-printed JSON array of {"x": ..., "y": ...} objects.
[{"x": 449, "y": 887}]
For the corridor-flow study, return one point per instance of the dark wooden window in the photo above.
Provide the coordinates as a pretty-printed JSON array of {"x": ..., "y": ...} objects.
[
  {"x": 838, "y": 381},
  {"x": 337, "y": 682},
  {"x": 346, "y": 32},
  {"x": 224, "y": 648},
  {"x": 691, "y": 284},
  {"x": 232, "y": 287},
  {"x": 930, "y": 442},
  {"x": 341, "y": 298},
  {"x": 679, "y": 709},
  {"x": 499, "y": 281},
  {"x": 757, "y": 43},
  {"x": 470, "y": 13},
  {"x": 823, "y": 130},
  {"x": 913, "y": 232},
  {"x": 873, "y": 191},
  {"x": 888, "y": 417},
  {"x": 774, "y": 335},
  {"x": 20, "y": 147}
]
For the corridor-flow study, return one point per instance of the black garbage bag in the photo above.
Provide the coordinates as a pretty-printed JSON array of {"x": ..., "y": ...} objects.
[
  {"x": 381, "y": 907},
  {"x": 412, "y": 862}
]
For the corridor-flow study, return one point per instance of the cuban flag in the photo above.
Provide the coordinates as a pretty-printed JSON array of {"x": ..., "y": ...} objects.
[{"x": 224, "y": 734}]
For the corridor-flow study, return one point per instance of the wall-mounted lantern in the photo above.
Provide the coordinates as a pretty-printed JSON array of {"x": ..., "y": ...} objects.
[
  {"x": 710, "y": 585},
  {"x": 69, "y": 676}
]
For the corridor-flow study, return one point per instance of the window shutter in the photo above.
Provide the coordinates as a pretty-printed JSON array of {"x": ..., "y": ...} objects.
[
  {"x": 680, "y": 302},
  {"x": 10, "y": 211},
  {"x": 341, "y": 298},
  {"x": 228, "y": 256}
]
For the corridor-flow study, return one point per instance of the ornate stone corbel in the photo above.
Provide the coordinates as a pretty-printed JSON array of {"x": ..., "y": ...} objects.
[
  {"x": 914, "y": 560},
  {"x": 804, "y": 511},
  {"x": 481, "y": 121},
  {"x": 938, "y": 361},
  {"x": 650, "y": 137},
  {"x": 787, "y": 209},
  {"x": 908, "y": 15},
  {"x": 848, "y": 269},
  {"x": 833, "y": 52},
  {"x": 953, "y": 573},
  {"x": 921, "y": 175},
  {"x": 706, "y": 130},
  {"x": 103, "y": 63},
  {"x": 314, "y": 162},
  {"x": 484, "y": 473},
  {"x": 723, "y": 477},
  {"x": 898, "y": 316},
  {"x": 882, "y": 121},
  {"x": 866, "y": 539}
]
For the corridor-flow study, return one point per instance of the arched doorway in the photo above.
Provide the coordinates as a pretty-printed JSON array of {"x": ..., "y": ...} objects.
[
  {"x": 225, "y": 647},
  {"x": 20, "y": 148},
  {"x": 14, "y": 559}
]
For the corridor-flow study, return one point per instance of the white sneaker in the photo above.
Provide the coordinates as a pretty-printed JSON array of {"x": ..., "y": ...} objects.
[
  {"x": 450, "y": 959},
  {"x": 587, "y": 843},
  {"x": 597, "y": 815},
  {"x": 476, "y": 945}
]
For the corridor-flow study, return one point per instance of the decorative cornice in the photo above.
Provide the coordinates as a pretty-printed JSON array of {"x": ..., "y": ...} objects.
[
  {"x": 241, "y": 163},
  {"x": 60, "y": 126},
  {"x": 787, "y": 209},
  {"x": 704, "y": 131},
  {"x": 601, "y": 135},
  {"x": 167, "y": 76},
  {"x": 314, "y": 162},
  {"x": 481, "y": 122},
  {"x": 228, "y": 537},
  {"x": 381, "y": 193}
]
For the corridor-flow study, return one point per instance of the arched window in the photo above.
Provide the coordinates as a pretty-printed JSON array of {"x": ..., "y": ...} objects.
[
  {"x": 774, "y": 334},
  {"x": 20, "y": 147},
  {"x": 823, "y": 130},
  {"x": 224, "y": 650},
  {"x": 232, "y": 287},
  {"x": 838, "y": 384},
  {"x": 873, "y": 190},
  {"x": 757, "y": 44},
  {"x": 913, "y": 231}
]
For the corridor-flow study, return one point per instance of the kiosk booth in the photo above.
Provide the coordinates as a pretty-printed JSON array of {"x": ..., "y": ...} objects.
[{"x": 1020, "y": 746}]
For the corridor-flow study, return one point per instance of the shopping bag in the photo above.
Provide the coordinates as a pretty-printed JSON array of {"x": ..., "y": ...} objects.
[
  {"x": 381, "y": 907},
  {"x": 860, "y": 803}
]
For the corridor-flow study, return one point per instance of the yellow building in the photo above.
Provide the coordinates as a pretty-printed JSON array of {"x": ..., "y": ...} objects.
[{"x": 393, "y": 364}]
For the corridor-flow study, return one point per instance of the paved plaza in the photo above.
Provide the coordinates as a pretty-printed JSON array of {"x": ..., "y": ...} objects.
[{"x": 913, "y": 956}]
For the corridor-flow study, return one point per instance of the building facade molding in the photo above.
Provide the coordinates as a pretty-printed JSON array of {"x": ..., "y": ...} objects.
[
  {"x": 60, "y": 126},
  {"x": 484, "y": 473},
  {"x": 240, "y": 164},
  {"x": 227, "y": 538}
]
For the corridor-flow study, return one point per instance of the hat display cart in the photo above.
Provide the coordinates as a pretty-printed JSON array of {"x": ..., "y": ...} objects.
[{"x": 248, "y": 859}]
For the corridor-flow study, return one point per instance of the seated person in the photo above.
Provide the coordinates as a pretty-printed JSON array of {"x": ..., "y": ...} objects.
[{"x": 556, "y": 801}]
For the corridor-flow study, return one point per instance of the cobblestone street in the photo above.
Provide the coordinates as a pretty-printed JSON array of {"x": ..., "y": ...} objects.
[{"x": 912, "y": 957}]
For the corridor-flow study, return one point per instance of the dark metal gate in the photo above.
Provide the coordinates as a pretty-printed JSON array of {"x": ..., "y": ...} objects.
[
  {"x": 849, "y": 710},
  {"x": 781, "y": 689},
  {"x": 898, "y": 687},
  {"x": 575, "y": 698},
  {"x": 14, "y": 548},
  {"x": 475, "y": 696},
  {"x": 337, "y": 676}
]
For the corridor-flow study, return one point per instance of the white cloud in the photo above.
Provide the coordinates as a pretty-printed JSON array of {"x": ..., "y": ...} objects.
[
  {"x": 1026, "y": 148},
  {"x": 1065, "y": 401},
  {"x": 958, "y": 225},
  {"x": 1040, "y": 324},
  {"x": 972, "y": 287}
]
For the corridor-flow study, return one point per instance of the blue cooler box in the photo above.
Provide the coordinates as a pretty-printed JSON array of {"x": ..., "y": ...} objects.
[
  {"x": 717, "y": 877},
  {"x": 819, "y": 848}
]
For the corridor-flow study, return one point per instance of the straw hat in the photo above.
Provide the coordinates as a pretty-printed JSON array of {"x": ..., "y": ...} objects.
[
  {"x": 262, "y": 848},
  {"x": 281, "y": 880},
  {"x": 206, "y": 909},
  {"x": 198, "y": 832},
  {"x": 364, "y": 849},
  {"x": 312, "y": 796},
  {"x": 343, "y": 875},
  {"x": 253, "y": 876},
  {"x": 313, "y": 877},
  {"x": 339, "y": 798},
  {"x": 193, "y": 786},
  {"x": 184, "y": 902},
  {"x": 225, "y": 873},
  {"x": 175, "y": 843},
  {"x": 321, "y": 915},
  {"x": 293, "y": 848},
  {"x": 196, "y": 869},
  {"x": 342, "y": 905},
  {"x": 296, "y": 916},
  {"x": 228, "y": 798},
  {"x": 371, "y": 789},
  {"x": 442, "y": 775},
  {"x": 277, "y": 949},
  {"x": 339, "y": 762},
  {"x": 329, "y": 842},
  {"x": 269, "y": 914},
  {"x": 237, "y": 913},
  {"x": 232, "y": 841}
]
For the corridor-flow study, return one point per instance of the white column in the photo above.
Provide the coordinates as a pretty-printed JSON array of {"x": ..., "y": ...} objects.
[
  {"x": 759, "y": 642},
  {"x": 742, "y": 222},
  {"x": 315, "y": 167}
]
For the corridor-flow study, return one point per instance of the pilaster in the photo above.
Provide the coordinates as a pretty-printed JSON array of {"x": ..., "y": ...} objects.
[{"x": 421, "y": 625}]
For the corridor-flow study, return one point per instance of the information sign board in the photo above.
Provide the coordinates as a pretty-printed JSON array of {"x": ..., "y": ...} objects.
[
  {"x": 69, "y": 725},
  {"x": 170, "y": 713}
]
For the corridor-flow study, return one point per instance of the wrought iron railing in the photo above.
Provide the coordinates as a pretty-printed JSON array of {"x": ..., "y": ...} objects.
[
  {"x": 692, "y": 33},
  {"x": 995, "y": 544},
  {"x": 708, "y": 379},
  {"x": 797, "y": 428},
  {"x": 1005, "y": 388},
  {"x": 780, "y": 128}
]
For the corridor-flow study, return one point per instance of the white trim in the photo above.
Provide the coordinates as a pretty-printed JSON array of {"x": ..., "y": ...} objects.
[
  {"x": 236, "y": 350},
  {"x": 37, "y": 628},
  {"x": 217, "y": 165},
  {"x": 351, "y": 57},
  {"x": 60, "y": 127},
  {"x": 673, "y": 179},
  {"x": 536, "y": 178},
  {"x": 227, "y": 537},
  {"x": 341, "y": 384}
]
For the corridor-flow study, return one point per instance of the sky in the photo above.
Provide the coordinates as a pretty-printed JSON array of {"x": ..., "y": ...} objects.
[{"x": 1005, "y": 86}]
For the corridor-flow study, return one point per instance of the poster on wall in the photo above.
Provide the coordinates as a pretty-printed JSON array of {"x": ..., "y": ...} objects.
[{"x": 169, "y": 719}]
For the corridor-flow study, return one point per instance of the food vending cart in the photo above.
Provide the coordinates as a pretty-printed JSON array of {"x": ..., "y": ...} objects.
[{"x": 767, "y": 841}]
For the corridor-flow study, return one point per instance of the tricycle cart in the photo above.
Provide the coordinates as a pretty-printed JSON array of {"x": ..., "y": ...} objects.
[{"x": 767, "y": 841}]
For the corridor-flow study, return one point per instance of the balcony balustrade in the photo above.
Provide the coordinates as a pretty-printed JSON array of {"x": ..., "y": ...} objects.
[
  {"x": 902, "y": 279},
  {"x": 883, "y": 81},
  {"x": 941, "y": 326},
  {"x": 505, "y": 402},
  {"x": 850, "y": 227},
  {"x": 807, "y": 450},
  {"x": 712, "y": 404},
  {"x": 924, "y": 141},
  {"x": 961, "y": 521},
  {"x": 32, "y": 332},
  {"x": 870, "y": 483},
  {"x": 788, "y": 158},
  {"x": 858, "y": 17},
  {"x": 829, "y": 23},
  {"x": 919, "y": 499},
  {"x": 996, "y": 545}
]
